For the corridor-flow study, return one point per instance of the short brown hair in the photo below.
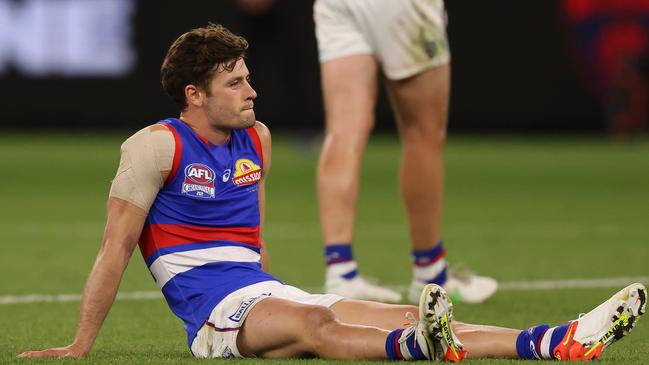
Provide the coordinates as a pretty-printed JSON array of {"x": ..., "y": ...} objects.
[{"x": 196, "y": 55}]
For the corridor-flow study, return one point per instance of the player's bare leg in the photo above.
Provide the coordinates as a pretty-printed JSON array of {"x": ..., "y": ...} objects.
[
  {"x": 366, "y": 313},
  {"x": 278, "y": 328},
  {"x": 349, "y": 86},
  {"x": 421, "y": 107},
  {"x": 487, "y": 341}
]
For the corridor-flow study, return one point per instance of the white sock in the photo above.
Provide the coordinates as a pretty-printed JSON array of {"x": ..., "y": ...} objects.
[{"x": 341, "y": 271}]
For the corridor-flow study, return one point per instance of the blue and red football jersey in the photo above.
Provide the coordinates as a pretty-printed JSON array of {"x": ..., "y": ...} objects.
[{"x": 201, "y": 239}]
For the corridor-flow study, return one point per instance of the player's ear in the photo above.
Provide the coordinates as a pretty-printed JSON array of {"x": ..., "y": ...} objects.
[{"x": 194, "y": 95}]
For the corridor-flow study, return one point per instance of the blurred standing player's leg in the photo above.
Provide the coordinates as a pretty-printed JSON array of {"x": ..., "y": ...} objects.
[
  {"x": 349, "y": 83},
  {"x": 407, "y": 39}
]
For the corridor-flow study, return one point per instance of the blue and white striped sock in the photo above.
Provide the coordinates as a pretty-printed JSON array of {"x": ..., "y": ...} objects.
[
  {"x": 538, "y": 342},
  {"x": 340, "y": 262},
  {"x": 402, "y": 344},
  {"x": 429, "y": 266}
]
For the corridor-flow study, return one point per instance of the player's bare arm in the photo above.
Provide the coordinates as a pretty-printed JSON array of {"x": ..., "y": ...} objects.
[
  {"x": 144, "y": 164},
  {"x": 123, "y": 226},
  {"x": 266, "y": 146}
]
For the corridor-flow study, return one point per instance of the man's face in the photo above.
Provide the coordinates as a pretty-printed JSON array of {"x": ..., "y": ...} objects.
[{"x": 230, "y": 101}]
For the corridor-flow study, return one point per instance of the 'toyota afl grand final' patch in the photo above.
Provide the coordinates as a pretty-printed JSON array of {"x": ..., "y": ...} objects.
[{"x": 199, "y": 181}]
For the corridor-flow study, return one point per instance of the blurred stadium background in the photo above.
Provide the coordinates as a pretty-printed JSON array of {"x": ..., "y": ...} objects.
[
  {"x": 568, "y": 65},
  {"x": 547, "y": 159}
]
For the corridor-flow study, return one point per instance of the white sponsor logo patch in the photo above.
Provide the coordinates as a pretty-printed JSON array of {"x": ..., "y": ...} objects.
[
  {"x": 199, "y": 181},
  {"x": 243, "y": 308}
]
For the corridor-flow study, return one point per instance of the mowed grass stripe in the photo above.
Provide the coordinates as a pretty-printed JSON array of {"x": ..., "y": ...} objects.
[{"x": 506, "y": 286}]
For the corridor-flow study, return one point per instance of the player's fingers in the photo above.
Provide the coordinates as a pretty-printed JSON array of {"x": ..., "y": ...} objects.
[
  {"x": 29, "y": 354},
  {"x": 47, "y": 353}
]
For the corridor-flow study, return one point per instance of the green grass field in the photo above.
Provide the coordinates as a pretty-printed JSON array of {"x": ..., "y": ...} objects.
[{"x": 518, "y": 209}]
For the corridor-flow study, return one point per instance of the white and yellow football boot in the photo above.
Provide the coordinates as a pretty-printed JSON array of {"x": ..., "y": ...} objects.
[
  {"x": 435, "y": 316},
  {"x": 591, "y": 333}
]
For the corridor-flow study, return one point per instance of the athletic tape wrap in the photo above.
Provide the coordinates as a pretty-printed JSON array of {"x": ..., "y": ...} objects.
[{"x": 145, "y": 157}]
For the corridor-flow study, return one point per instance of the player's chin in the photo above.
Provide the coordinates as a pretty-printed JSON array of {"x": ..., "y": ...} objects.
[{"x": 249, "y": 119}]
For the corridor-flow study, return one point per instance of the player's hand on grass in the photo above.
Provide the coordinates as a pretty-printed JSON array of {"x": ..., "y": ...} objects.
[{"x": 67, "y": 351}]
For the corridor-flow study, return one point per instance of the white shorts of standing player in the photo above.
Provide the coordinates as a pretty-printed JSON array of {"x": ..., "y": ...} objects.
[{"x": 406, "y": 36}]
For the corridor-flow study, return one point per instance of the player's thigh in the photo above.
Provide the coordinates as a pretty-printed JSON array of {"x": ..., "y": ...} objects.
[
  {"x": 375, "y": 314},
  {"x": 421, "y": 101},
  {"x": 349, "y": 85},
  {"x": 281, "y": 328}
]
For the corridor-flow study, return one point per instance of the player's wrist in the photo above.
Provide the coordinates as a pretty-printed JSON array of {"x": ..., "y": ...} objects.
[{"x": 80, "y": 348}]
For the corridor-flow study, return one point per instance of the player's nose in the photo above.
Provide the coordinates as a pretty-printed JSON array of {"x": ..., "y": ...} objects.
[{"x": 251, "y": 94}]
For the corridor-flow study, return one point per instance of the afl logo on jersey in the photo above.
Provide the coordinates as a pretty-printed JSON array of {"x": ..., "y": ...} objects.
[
  {"x": 246, "y": 172},
  {"x": 199, "y": 181}
]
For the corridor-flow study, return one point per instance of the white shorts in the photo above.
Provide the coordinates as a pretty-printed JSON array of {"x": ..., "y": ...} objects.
[
  {"x": 218, "y": 337},
  {"x": 406, "y": 36}
]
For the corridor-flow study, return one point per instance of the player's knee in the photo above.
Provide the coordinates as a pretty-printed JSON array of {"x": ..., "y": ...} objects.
[
  {"x": 439, "y": 137},
  {"x": 431, "y": 135},
  {"x": 355, "y": 129},
  {"x": 319, "y": 316},
  {"x": 343, "y": 145},
  {"x": 320, "y": 321}
]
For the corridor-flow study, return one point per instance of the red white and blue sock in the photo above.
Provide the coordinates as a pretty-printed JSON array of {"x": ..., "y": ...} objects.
[
  {"x": 429, "y": 266},
  {"x": 340, "y": 262},
  {"x": 538, "y": 342},
  {"x": 402, "y": 344}
]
